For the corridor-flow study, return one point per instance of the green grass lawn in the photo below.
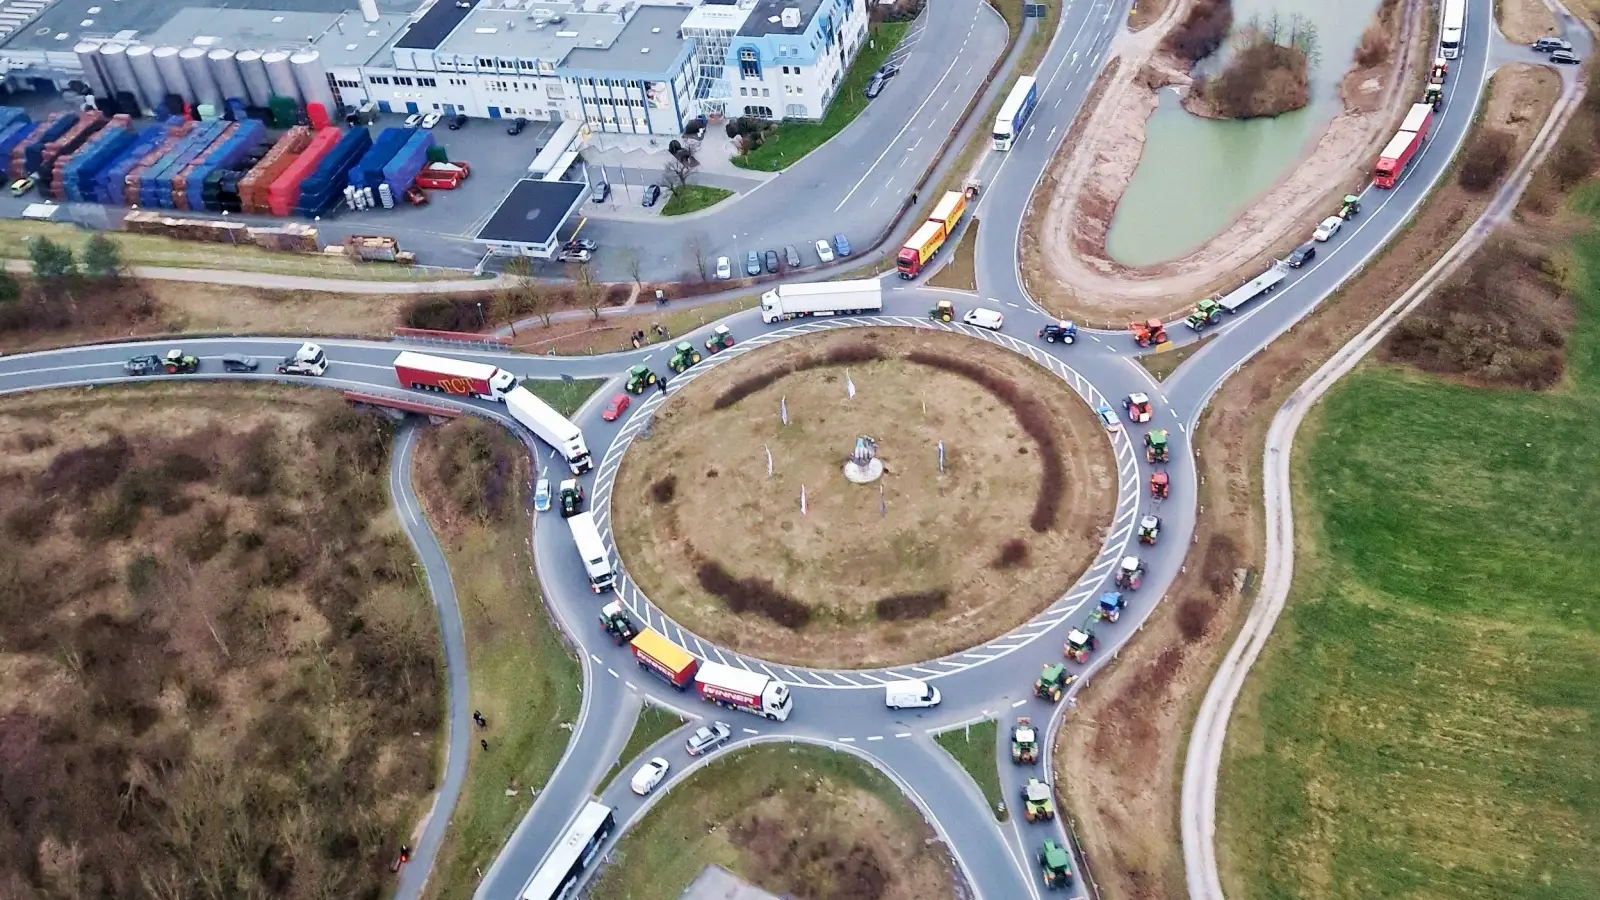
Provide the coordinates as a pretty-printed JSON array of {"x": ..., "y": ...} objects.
[
  {"x": 1423, "y": 720},
  {"x": 653, "y": 724},
  {"x": 566, "y": 397},
  {"x": 787, "y": 143},
  {"x": 974, "y": 749},
  {"x": 961, "y": 273},
  {"x": 1162, "y": 363},
  {"x": 693, "y": 198}
]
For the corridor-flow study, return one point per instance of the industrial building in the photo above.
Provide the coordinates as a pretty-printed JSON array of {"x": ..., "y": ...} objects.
[{"x": 617, "y": 67}]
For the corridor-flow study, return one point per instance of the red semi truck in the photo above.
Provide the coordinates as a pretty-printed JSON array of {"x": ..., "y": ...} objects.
[
  {"x": 673, "y": 664},
  {"x": 421, "y": 372},
  {"x": 745, "y": 690},
  {"x": 926, "y": 241},
  {"x": 1403, "y": 146}
]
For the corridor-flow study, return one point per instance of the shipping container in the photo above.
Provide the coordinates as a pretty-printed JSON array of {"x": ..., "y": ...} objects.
[
  {"x": 253, "y": 187},
  {"x": 155, "y": 190},
  {"x": 244, "y": 140},
  {"x": 14, "y": 134},
  {"x": 41, "y": 158},
  {"x": 120, "y": 180},
  {"x": 11, "y": 115},
  {"x": 185, "y": 169},
  {"x": 284, "y": 193}
]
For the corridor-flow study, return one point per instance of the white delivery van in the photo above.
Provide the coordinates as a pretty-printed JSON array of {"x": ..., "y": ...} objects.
[{"x": 910, "y": 695}]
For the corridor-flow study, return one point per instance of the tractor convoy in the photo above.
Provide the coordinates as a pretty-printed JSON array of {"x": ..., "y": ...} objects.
[{"x": 1024, "y": 742}]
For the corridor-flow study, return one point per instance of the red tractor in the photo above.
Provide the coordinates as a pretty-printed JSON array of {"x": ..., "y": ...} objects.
[
  {"x": 1158, "y": 485},
  {"x": 1148, "y": 333}
]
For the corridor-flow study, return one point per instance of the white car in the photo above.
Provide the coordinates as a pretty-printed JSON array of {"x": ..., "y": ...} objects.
[
  {"x": 724, "y": 268},
  {"x": 430, "y": 120},
  {"x": 824, "y": 252},
  {"x": 541, "y": 496},
  {"x": 413, "y": 120},
  {"x": 649, "y": 775},
  {"x": 984, "y": 318},
  {"x": 1328, "y": 228}
]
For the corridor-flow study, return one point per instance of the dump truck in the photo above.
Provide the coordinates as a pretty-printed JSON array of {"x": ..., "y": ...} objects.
[
  {"x": 614, "y": 619},
  {"x": 664, "y": 659},
  {"x": 308, "y": 360},
  {"x": 721, "y": 339},
  {"x": 1403, "y": 147},
  {"x": 1024, "y": 742},
  {"x": 551, "y": 427},
  {"x": 1206, "y": 313},
  {"x": 640, "y": 378},
  {"x": 1111, "y": 606},
  {"x": 1052, "y": 683},
  {"x": 742, "y": 689},
  {"x": 1037, "y": 804},
  {"x": 422, "y": 372},
  {"x": 1148, "y": 333},
  {"x": 596, "y": 562},
  {"x": 1056, "y": 865},
  {"x": 829, "y": 298},
  {"x": 683, "y": 356}
]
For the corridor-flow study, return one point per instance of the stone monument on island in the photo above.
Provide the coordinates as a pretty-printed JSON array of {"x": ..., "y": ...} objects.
[{"x": 864, "y": 467}]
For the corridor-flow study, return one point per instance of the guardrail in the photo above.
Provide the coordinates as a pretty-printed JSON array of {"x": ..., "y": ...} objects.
[
  {"x": 429, "y": 336},
  {"x": 410, "y": 406}
]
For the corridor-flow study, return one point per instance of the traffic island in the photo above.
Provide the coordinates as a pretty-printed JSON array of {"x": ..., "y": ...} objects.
[
  {"x": 973, "y": 746},
  {"x": 735, "y": 516}
]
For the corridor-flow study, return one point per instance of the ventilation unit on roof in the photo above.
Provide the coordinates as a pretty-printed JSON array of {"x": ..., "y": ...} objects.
[{"x": 791, "y": 17}]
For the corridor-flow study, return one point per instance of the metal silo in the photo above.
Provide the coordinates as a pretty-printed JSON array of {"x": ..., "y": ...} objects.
[
  {"x": 93, "y": 71},
  {"x": 199, "y": 72},
  {"x": 280, "y": 74},
  {"x": 118, "y": 73},
  {"x": 225, "y": 69},
  {"x": 313, "y": 81},
  {"x": 172, "y": 76},
  {"x": 152, "y": 90},
  {"x": 257, "y": 88}
]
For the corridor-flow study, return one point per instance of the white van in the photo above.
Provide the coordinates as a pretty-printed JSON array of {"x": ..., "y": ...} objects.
[{"x": 910, "y": 695}]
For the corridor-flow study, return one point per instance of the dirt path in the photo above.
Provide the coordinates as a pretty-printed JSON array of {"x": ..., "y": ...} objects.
[{"x": 1067, "y": 267}]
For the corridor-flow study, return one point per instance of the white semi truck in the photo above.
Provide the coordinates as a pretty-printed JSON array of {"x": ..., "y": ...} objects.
[
  {"x": 596, "y": 562},
  {"x": 753, "y": 692},
  {"x": 551, "y": 427},
  {"x": 826, "y": 298}
]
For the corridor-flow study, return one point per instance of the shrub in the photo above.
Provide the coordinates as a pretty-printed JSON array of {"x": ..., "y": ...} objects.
[
  {"x": 447, "y": 312},
  {"x": 1572, "y": 161},
  {"x": 1013, "y": 553},
  {"x": 664, "y": 489},
  {"x": 1221, "y": 559},
  {"x": 755, "y": 595},
  {"x": 1486, "y": 159},
  {"x": 1194, "y": 616},
  {"x": 857, "y": 352},
  {"x": 915, "y": 605},
  {"x": 1374, "y": 48},
  {"x": 85, "y": 470},
  {"x": 1201, "y": 32}
]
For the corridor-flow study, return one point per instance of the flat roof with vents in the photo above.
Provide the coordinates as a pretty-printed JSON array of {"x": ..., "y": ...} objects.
[
  {"x": 767, "y": 17},
  {"x": 530, "y": 30},
  {"x": 142, "y": 19},
  {"x": 648, "y": 45}
]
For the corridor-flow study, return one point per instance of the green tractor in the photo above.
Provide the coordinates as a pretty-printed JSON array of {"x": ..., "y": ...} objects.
[
  {"x": 1155, "y": 446},
  {"x": 1037, "y": 804},
  {"x": 1206, "y": 313},
  {"x": 177, "y": 363},
  {"x": 617, "y": 624},
  {"x": 1053, "y": 681},
  {"x": 721, "y": 339},
  {"x": 571, "y": 498},
  {"x": 1350, "y": 206},
  {"x": 1434, "y": 96},
  {"x": 1056, "y": 864},
  {"x": 640, "y": 378},
  {"x": 943, "y": 311},
  {"x": 683, "y": 356},
  {"x": 1024, "y": 742}
]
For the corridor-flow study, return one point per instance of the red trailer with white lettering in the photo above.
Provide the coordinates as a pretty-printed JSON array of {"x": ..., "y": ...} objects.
[{"x": 422, "y": 372}]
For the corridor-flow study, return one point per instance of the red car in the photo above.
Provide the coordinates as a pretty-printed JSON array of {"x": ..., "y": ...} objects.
[{"x": 615, "y": 409}]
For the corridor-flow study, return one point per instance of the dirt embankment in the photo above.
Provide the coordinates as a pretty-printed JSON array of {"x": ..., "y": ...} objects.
[
  {"x": 1123, "y": 746},
  {"x": 1065, "y": 260}
]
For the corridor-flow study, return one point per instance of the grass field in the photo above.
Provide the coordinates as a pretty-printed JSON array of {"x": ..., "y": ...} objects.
[
  {"x": 1163, "y": 363},
  {"x": 795, "y": 820},
  {"x": 788, "y": 143},
  {"x": 1423, "y": 720},
  {"x": 974, "y": 749},
  {"x": 962, "y": 272},
  {"x": 654, "y": 723},
  {"x": 693, "y": 198}
]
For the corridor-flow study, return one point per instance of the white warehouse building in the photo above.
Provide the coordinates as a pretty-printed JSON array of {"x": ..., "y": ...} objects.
[{"x": 774, "y": 59}]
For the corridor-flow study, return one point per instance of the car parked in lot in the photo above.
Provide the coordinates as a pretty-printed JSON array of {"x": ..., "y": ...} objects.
[
  {"x": 875, "y": 86},
  {"x": 22, "y": 185},
  {"x": 582, "y": 244},
  {"x": 652, "y": 194},
  {"x": 413, "y": 120},
  {"x": 771, "y": 257},
  {"x": 648, "y": 776},
  {"x": 984, "y": 318},
  {"x": 1302, "y": 254},
  {"x": 430, "y": 120},
  {"x": 1328, "y": 228},
  {"x": 791, "y": 256},
  {"x": 724, "y": 268},
  {"x": 541, "y": 496},
  {"x": 1565, "y": 57},
  {"x": 615, "y": 409},
  {"x": 888, "y": 70},
  {"x": 458, "y": 122},
  {"x": 517, "y": 125},
  {"x": 708, "y": 737},
  {"x": 841, "y": 244},
  {"x": 824, "y": 252},
  {"x": 752, "y": 264},
  {"x": 1550, "y": 45},
  {"x": 574, "y": 255},
  {"x": 238, "y": 362}
]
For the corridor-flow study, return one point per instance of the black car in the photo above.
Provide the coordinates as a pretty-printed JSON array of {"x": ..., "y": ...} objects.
[
  {"x": 582, "y": 244},
  {"x": 457, "y": 121},
  {"x": 1302, "y": 255},
  {"x": 772, "y": 262},
  {"x": 791, "y": 256},
  {"x": 238, "y": 362},
  {"x": 888, "y": 70},
  {"x": 1565, "y": 57},
  {"x": 517, "y": 125},
  {"x": 875, "y": 86},
  {"x": 142, "y": 365},
  {"x": 652, "y": 194}
]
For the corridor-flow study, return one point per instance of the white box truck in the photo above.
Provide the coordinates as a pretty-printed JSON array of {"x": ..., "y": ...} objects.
[
  {"x": 910, "y": 694},
  {"x": 827, "y": 298},
  {"x": 753, "y": 692},
  {"x": 596, "y": 563},
  {"x": 551, "y": 427}
]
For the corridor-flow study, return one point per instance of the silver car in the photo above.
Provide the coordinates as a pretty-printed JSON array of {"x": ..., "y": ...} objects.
[{"x": 707, "y": 738}]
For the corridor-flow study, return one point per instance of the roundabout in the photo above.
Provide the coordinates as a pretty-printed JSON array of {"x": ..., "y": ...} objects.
[{"x": 985, "y": 498}]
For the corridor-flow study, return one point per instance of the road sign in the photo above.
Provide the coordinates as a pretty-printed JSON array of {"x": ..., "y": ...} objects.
[{"x": 1033, "y": 11}]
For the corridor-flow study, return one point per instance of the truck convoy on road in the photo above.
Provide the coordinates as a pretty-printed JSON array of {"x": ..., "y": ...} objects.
[
  {"x": 422, "y": 372},
  {"x": 596, "y": 562},
  {"x": 726, "y": 686},
  {"x": 1403, "y": 147},
  {"x": 827, "y": 298},
  {"x": 926, "y": 241}
]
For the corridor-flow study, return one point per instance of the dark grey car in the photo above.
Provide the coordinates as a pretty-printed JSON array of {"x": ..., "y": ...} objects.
[
  {"x": 1565, "y": 57},
  {"x": 772, "y": 262},
  {"x": 752, "y": 264},
  {"x": 875, "y": 86},
  {"x": 791, "y": 256},
  {"x": 1302, "y": 255},
  {"x": 238, "y": 362}
]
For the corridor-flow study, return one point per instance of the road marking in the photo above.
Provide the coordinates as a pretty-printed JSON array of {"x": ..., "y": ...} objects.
[
  {"x": 595, "y": 657},
  {"x": 1012, "y": 305},
  {"x": 749, "y": 731},
  {"x": 1018, "y": 703},
  {"x": 890, "y": 146},
  {"x": 847, "y": 740},
  {"x": 876, "y": 737},
  {"x": 902, "y": 734},
  {"x": 1182, "y": 429},
  {"x": 613, "y": 672}
]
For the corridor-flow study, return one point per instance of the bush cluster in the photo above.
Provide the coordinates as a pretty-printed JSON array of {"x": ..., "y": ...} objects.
[
  {"x": 1013, "y": 553},
  {"x": 1202, "y": 31},
  {"x": 753, "y": 595},
  {"x": 842, "y": 355},
  {"x": 1486, "y": 158},
  {"x": 909, "y": 606},
  {"x": 477, "y": 466},
  {"x": 664, "y": 489}
]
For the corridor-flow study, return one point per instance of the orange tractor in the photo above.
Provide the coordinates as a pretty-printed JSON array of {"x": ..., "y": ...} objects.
[
  {"x": 1148, "y": 333},
  {"x": 1158, "y": 485}
]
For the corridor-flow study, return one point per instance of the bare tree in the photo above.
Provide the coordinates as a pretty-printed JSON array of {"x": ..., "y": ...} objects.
[
  {"x": 677, "y": 173},
  {"x": 542, "y": 301},
  {"x": 635, "y": 265},
  {"x": 590, "y": 295},
  {"x": 697, "y": 249}
]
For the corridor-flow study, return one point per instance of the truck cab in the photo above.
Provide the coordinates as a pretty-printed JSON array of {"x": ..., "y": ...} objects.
[{"x": 308, "y": 360}]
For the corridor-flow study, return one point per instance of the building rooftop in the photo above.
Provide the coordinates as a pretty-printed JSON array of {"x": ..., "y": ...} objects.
[
  {"x": 544, "y": 31},
  {"x": 436, "y": 24},
  {"x": 533, "y": 212},
  {"x": 648, "y": 43},
  {"x": 342, "y": 38},
  {"x": 713, "y": 16},
  {"x": 767, "y": 17},
  {"x": 68, "y": 21}
]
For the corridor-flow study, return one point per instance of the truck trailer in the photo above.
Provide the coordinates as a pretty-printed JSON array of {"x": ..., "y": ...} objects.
[
  {"x": 826, "y": 298},
  {"x": 596, "y": 562},
  {"x": 920, "y": 248},
  {"x": 1265, "y": 283},
  {"x": 422, "y": 372},
  {"x": 551, "y": 427},
  {"x": 661, "y": 657},
  {"x": 752, "y": 692},
  {"x": 1403, "y": 147}
]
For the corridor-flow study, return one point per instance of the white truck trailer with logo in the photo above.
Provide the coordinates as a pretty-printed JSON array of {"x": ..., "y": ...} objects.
[
  {"x": 826, "y": 298},
  {"x": 596, "y": 562},
  {"x": 734, "y": 688},
  {"x": 551, "y": 427}
]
